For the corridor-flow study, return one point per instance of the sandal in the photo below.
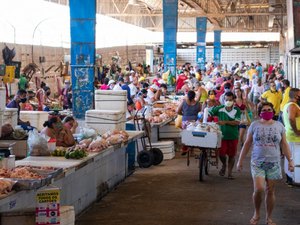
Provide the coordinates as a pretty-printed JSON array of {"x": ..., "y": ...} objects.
[
  {"x": 230, "y": 177},
  {"x": 254, "y": 221},
  {"x": 270, "y": 222}
]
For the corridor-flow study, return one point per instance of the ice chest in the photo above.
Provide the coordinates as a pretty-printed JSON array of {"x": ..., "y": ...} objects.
[
  {"x": 36, "y": 118},
  {"x": 167, "y": 148},
  {"x": 201, "y": 139},
  {"x": 105, "y": 120},
  {"x": 10, "y": 116},
  {"x": 111, "y": 100}
]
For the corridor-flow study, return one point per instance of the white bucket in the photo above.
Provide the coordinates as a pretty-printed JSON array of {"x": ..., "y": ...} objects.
[
  {"x": 10, "y": 116},
  {"x": 2, "y": 98},
  {"x": 111, "y": 100}
]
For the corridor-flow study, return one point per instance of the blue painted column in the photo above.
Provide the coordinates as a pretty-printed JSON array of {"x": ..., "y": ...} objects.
[
  {"x": 83, "y": 23},
  {"x": 201, "y": 24},
  {"x": 170, "y": 20},
  {"x": 217, "y": 47}
]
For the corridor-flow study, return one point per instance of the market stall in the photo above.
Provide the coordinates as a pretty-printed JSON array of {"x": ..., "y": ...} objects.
[{"x": 100, "y": 170}]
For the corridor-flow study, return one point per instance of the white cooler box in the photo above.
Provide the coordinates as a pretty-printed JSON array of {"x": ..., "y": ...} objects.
[
  {"x": 111, "y": 100},
  {"x": 10, "y": 116},
  {"x": 167, "y": 148},
  {"x": 105, "y": 120},
  {"x": 36, "y": 118},
  {"x": 201, "y": 139},
  {"x": 169, "y": 131}
]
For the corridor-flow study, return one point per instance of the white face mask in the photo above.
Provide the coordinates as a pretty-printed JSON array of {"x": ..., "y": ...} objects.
[{"x": 228, "y": 103}]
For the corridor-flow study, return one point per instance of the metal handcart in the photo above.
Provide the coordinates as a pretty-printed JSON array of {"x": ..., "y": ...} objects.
[
  {"x": 153, "y": 156},
  {"x": 207, "y": 143}
]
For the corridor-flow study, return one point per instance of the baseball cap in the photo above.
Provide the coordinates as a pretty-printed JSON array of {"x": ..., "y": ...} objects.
[{"x": 111, "y": 82}]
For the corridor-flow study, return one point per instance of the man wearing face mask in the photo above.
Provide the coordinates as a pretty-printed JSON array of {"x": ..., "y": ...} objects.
[
  {"x": 229, "y": 118},
  {"x": 227, "y": 88},
  {"x": 20, "y": 97},
  {"x": 47, "y": 100},
  {"x": 273, "y": 96}
]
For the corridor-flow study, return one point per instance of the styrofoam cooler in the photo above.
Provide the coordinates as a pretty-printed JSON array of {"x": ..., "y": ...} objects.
[
  {"x": 10, "y": 116},
  {"x": 167, "y": 148},
  {"x": 111, "y": 100},
  {"x": 105, "y": 120},
  {"x": 169, "y": 131},
  {"x": 2, "y": 98},
  {"x": 201, "y": 139},
  {"x": 36, "y": 118}
]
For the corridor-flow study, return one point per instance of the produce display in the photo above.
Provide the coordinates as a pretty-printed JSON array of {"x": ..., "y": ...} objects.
[
  {"x": 76, "y": 152},
  {"x": 59, "y": 151}
]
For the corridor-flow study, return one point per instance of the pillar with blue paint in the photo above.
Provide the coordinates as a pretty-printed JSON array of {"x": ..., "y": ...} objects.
[
  {"x": 201, "y": 25},
  {"x": 83, "y": 31},
  {"x": 170, "y": 20},
  {"x": 217, "y": 47}
]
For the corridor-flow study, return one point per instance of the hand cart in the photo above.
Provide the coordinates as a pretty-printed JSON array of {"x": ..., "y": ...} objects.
[
  {"x": 208, "y": 144},
  {"x": 146, "y": 158}
]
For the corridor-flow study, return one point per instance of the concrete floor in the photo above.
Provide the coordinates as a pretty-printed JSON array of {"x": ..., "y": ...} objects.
[{"x": 170, "y": 194}]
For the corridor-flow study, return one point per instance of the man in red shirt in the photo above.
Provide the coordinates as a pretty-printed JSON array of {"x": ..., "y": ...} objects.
[{"x": 181, "y": 78}]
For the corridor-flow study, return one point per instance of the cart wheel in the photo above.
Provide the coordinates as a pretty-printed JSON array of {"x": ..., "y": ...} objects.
[
  {"x": 158, "y": 156},
  {"x": 145, "y": 159},
  {"x": 202, "y": 159}
]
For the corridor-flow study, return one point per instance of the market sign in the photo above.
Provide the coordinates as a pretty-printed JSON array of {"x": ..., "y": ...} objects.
[{"x": 47, "y": 206}]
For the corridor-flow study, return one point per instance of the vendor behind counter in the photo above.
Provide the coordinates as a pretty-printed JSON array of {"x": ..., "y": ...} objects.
[{"x": 54, "y": 128}]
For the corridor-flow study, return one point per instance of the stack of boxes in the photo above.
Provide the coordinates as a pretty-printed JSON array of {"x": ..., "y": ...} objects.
[{"x": 110, "y": 111}]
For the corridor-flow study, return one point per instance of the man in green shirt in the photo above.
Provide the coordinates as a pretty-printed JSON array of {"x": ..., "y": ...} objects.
[{"x": 229, "y": 118}]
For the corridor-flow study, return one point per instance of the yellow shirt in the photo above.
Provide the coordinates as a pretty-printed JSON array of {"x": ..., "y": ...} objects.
[
  {"x": 204, "y": 95},
  {"x": 250, "y": 73},
  {"x": 275, "y": 98},
  {"x": 286, "y": 98},
  {"x": 290, "y": 134}
]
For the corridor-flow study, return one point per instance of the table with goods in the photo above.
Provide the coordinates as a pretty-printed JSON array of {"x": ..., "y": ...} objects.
[
  {"x": 205, "y": 138},
  {"x": 84, "y": 172}
]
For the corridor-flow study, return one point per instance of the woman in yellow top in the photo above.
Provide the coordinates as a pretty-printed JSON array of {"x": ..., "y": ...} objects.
[
  {"x": 201, "y": 93},
  {"x": 291, "y": 119}
]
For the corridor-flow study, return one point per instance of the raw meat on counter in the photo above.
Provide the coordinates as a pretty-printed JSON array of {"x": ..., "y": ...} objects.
[
  {"x": 98, "y": 145},
  {"x": 6, "y": 186},
  {"x": 19, "y": 172}
]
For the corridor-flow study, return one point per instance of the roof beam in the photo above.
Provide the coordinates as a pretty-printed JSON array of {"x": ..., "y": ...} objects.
[{"x": 197, "y": 14}]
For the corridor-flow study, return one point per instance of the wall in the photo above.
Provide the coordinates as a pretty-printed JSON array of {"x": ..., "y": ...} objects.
[{"x": 232, "y": 55}]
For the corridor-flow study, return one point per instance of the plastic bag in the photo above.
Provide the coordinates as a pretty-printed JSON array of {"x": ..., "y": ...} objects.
[
  {"x": 178, "y": 121},
  {"x": 37, "y": 144},
  {"x": 88, "y": 133}
]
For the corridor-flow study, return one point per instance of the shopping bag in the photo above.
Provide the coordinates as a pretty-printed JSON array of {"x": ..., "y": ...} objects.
[{"x": 178, "y": 121}]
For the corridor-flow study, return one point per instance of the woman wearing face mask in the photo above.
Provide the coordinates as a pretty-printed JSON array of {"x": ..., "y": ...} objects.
[
  {"x": 273, "y": 96},
  {"x": 54, "y": 128},
  {"x": 47, "y": 100},
  {"x": 70, "y": 123},
  {"x": 267, "y": 137}
]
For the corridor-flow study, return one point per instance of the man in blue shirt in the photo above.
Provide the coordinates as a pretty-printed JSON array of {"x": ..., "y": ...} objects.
[{"x": 20, "y": 97}]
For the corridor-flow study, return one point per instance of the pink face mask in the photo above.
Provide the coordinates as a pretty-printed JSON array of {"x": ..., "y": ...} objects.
[{"x": 266, "y": 115}]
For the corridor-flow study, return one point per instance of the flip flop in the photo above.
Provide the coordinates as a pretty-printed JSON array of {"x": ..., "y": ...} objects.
[
  {"x": 230, "y": 177},
  {"x": 270, "y": 222},
  {"x": 254, "y": 221}
]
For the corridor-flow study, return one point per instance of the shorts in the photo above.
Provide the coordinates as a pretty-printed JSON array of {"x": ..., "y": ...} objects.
[
  {"x": 268, "y": 170},
  {"x": 228, "y": 147},
  {"x": 256, "y": 100},
  {"x": 242, "y": 126}
]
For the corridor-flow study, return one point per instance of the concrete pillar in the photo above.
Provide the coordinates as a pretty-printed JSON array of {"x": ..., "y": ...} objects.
[
  {"x": 83, "y": 23},
  {"x": 201, "y": 24},
  {"x": 217, "y": 47},
  {"x": 170, "y": 21}
]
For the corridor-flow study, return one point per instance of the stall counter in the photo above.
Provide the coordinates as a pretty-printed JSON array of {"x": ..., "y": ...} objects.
[{"x": 83, "y": 181}]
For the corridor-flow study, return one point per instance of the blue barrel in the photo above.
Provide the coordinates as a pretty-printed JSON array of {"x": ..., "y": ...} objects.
[{"x": 130, "y": 150}]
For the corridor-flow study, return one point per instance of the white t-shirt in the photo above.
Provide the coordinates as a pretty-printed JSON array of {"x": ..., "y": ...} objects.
[
  {"x": 133, "y": 89},
  {"x": 117, "y": 87},
  {"x": 150, "y": 95},
  {"x": 257, "y": 90}
]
